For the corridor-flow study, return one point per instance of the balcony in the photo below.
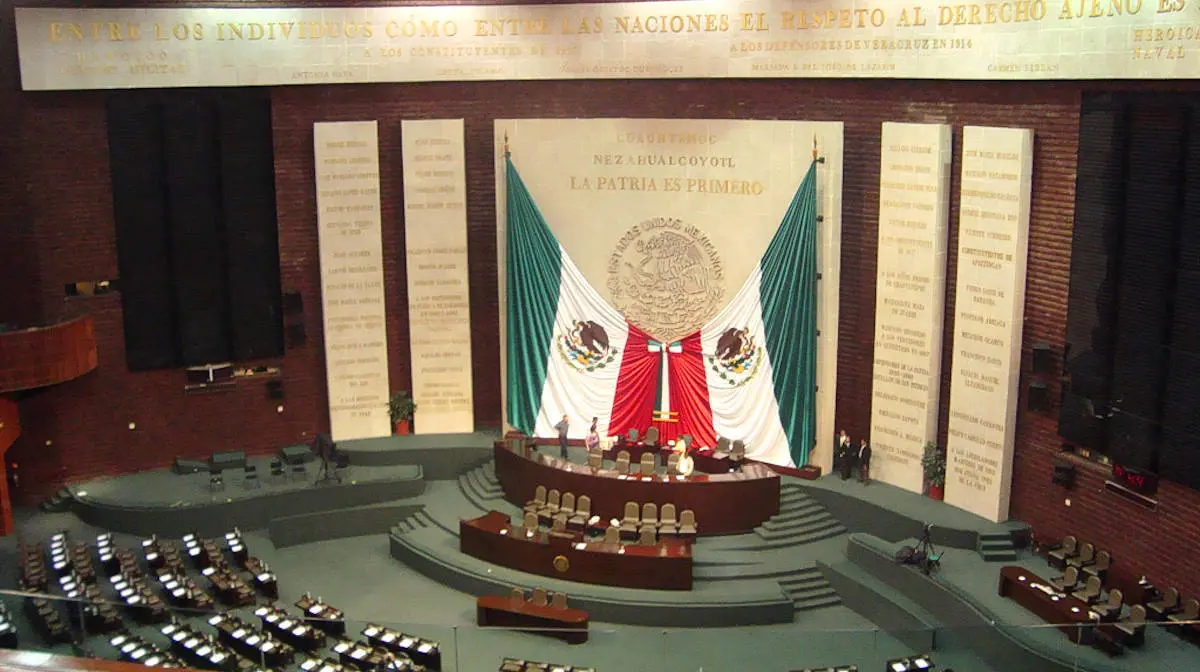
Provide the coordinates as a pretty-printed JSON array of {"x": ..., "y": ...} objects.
[{"x": 42, "y": 356}]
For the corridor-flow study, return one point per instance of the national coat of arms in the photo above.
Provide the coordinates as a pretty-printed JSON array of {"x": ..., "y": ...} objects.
[
  {"x": 585, "y": 346},
  {"x": 737, "y": 358},
  {"x": 666, "y": 277}
]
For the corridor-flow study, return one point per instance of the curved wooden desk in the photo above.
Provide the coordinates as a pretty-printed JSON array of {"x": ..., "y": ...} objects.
[
  {"x": 664, "y": 566},
  {"x": 724, "y": 503},
  {"x": 569, "y": 625}
]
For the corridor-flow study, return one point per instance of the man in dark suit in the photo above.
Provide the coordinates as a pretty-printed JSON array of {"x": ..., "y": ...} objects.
[
  {"x": 841, "y": 445},
  {"x": 849, "y": 457},
  {"x": 864, "y": 462}
]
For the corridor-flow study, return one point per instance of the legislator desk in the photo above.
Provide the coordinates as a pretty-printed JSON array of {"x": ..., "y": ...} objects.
[
  {"x": 569, "y": 625},
  {"x": 635, "y": 450},
  {"x": 665, "y": 566},
  {"x": 1072, "y": 615},
  {"x": 724, "y": 503}
]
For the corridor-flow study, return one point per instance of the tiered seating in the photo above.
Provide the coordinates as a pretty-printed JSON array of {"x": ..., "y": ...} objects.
[
  {"x": 60, "y": 559},
  {"x": 46, "y": 617},
  {"x": 1084, "y": 557},
  {"x": 237, "y": 546},
  {"x": 198, "y": 649},
  {"x": 228, "y": 586},
  {"x": 81, "y": 562},
  {"x": 141, "y": 600},
  {"x": 294, "y": 631},
  {"x": 263, "y": 578},
  {"x": 517, "y": 665},
  {"x": 575, "y": 515},
  {"x": 424, "y": 653},
  {"x": 645, "y": 525},
  {"x": 182, "y": 591},
  {"x": 321, "y": 615},
  {"x": 321, "y": 665},
  {"x": 33, "y": 568},
  {"x": 203, "y": 552},
  {"x": 250, "y": 642},
  {"x": 8, "y": 631},
  {"x": 162, "y": 555},
  {"x": 137, "y": 650},
  {"x": 365, "y": 657}
]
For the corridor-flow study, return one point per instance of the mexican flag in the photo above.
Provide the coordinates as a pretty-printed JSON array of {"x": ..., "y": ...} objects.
[{"x": 748, "y": 374}]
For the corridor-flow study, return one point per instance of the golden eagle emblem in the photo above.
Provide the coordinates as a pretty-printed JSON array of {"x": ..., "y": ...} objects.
[
  {"x": 585, "y": 346},
  {"x": 737, "y": 357}
]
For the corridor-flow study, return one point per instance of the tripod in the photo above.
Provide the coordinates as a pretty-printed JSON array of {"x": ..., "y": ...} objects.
[{"x": 924, "y": 555}]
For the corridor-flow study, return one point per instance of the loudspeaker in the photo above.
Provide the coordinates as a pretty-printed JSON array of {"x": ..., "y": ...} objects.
[
  {"x": 1039, "y": 397},
  {"x": 183, "y": 466},
  {"x": 275, "y": 389},
  {"x": 296, "y": 454},
  {"x": 233, "y": 459},
  {"x": 296, "y": 335},
  {"x": 1064, "y": 475},
  {"x": 1044, "y": 359}
]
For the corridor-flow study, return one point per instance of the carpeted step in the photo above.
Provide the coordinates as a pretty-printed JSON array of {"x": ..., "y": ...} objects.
[
  {"x": 831, "y": 600},
  {"x": 999, "y": 557},
  {"x": 996, "y": 536},
  {"x": 996, "y": 547},
  {"x": 470, "y": 488},
  {"x": 791, "y": 519},
  {"x": 480, "y": 486},
  {"x": 825, "y": 523},
  {"x": 793, "y": 497},
  {"x": 800, "y": 537},
  {"x": 60, "y": 502},
  {"x": 995, "y": 544}
]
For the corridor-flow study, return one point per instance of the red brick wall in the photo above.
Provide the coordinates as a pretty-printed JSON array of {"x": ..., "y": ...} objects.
[{"x": 57, "y": 173}]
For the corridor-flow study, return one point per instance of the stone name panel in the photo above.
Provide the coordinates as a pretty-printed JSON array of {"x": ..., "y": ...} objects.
[
  {"x": 435, "y": 242},
  {"x": 81, "y": 48},
  {"x": 993, "y": 242},
  {"x": 910, "y": 291},
  {"x": 352, "y": 293}
]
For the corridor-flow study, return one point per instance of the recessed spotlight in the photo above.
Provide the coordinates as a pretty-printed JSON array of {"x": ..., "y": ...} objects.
[
  {"x": 133, "y": 425},
  {"x": 279, "y": 409}
]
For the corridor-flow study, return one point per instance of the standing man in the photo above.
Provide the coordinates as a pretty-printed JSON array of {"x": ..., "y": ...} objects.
[
  {"x": 562, "y": 435},
  {"x": 864, "y": 462},
  {"x": 849, "y": 457},
  {"x": 841, "y": 450}
]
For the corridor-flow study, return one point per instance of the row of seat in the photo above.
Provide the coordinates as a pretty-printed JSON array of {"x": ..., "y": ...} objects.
[
  {"x": 540, "y": 597},
  {"x": 637, "y": 521},
  {"x": 518, "y": 665},
  {"x": 575, "y": 514},
  {"x": 1085, "y": 557}
]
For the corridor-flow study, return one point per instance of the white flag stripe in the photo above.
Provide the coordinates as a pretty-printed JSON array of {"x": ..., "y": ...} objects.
[
  {"x": 569, "y": 390},
  {"x": 748, "y": 411}
]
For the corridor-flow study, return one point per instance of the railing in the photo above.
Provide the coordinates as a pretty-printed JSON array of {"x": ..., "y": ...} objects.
[{"x": 43, "y": 356}]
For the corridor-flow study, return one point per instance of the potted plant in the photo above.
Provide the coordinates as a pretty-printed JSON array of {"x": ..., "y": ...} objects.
[
  {"x": 401, "y": 408},
  {"x": 933, "y": 461}
]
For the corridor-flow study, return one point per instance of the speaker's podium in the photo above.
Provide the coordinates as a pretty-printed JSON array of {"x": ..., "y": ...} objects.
[{"x": 667, "y": 423}]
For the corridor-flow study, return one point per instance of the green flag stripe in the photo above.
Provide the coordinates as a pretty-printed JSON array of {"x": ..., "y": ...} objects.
[
  {"x": 533, "y": 277},
  {"x": 788, "y": 294}
]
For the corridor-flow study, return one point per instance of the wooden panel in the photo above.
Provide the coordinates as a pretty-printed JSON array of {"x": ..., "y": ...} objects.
[
  {"x": 45, "y": 356},
  {"x": 755, "y": 489}
]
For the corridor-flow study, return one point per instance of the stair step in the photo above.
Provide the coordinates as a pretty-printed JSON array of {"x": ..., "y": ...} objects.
[
  {"x": 827, "y": 601},
  {"x": 803, "y": 539},
  {"x": 798, "y": 530},
  {"x": 789, "y": 520},
  {"x": 803, "y": 578},
  {"x": 794, "y": 496},
  {"x": 482, "y": 489},
  {"x": 999, "y": 557},
  {"x": 810, "y": 594},
  {"x": 995, "y": 544},
  {"x": 799, "y": 506},
  {"x": 990, "y": 536}
]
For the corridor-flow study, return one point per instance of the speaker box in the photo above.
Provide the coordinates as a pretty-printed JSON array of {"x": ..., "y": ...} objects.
[
  {"x": 1044, "y": 359},
  {"x": 233, "y": 459},
  {"x": 1039, "y": 397},
  {"x": 275, "y": 389},
  {"x": 183, "y": 466},
  {"x": 298, "y": 454}
]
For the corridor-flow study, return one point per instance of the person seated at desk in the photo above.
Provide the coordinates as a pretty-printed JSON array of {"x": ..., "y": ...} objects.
[{"x": 686, "y": 464}]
